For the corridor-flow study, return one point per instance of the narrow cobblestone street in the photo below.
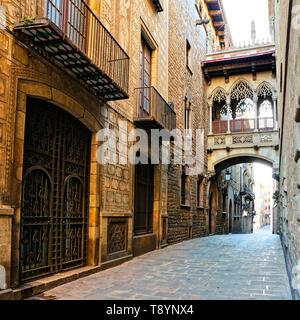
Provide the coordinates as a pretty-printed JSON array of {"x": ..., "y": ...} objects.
[{"x": 213, "y": 268}]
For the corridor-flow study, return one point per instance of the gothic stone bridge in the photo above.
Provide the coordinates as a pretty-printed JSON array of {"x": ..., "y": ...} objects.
[{"x": 242, "y": 101}]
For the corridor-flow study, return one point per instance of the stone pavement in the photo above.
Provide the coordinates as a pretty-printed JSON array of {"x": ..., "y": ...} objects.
[{"x": 214, "y": 268}]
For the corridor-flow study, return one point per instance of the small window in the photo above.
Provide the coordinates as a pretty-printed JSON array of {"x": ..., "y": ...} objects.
[
  {"x": 200, "y": 193},
  {"x": 187, "y": 114},
  {"x": 188, "y": 54},
  {"x": 185, "y": 188}
]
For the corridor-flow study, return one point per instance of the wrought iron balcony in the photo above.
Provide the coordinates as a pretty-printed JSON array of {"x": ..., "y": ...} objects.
[
  {"x": 152, "y": 111},
  {"x": 246, "y": 191},
  {"x": 70, "y": 35}
]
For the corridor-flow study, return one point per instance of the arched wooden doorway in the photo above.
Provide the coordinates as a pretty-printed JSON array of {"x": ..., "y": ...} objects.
[
  {"x": 55, "y": 194},
  {"x": 212, "y": 215}
]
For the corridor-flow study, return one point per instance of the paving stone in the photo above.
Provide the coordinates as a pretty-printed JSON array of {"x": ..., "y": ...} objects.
[{"x": 235, "y": 267}]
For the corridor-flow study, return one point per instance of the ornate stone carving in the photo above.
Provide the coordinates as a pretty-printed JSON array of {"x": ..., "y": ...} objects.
[
  {"x": 265, "y": 90},
  {"x": 266, "y": 138},
  {"x": 242, "y": 139},
  {"x": 219, "y": 141},
  {"x": 117, "y": 235},
  {"x": 219, "y": 95},
  {"x": 242, "y": 91}
]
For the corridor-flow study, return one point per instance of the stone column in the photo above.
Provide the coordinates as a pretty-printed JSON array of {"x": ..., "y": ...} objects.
[
  {"x": 255, "y": 100},
  {"x": 210, "y": 103},
  {"x": 275, "y": 112},
  {"x": 228, "y": 102}
]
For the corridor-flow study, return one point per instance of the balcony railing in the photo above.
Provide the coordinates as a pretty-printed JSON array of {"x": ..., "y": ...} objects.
[
  {"x": 266, "y": 124},
  {"x": 220, "y": 126},
  {"x": 152, "y": 111},
  {"x": 71, "y": 35},
  {"x": 242, "y": 125}
]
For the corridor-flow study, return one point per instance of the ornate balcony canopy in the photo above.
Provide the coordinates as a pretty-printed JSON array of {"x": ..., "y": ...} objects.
[
  {"x": 152, "y": 111},
  {"x": 217, "y": 14},
  {"x": 70, "y": 35},
  {"x": 229, "y": 63}
]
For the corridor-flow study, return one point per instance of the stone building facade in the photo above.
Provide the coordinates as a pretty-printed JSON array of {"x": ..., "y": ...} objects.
[
  {"x": 36, "y": 87},
  {"x": 60, "y": 84},
  {"x": 238, "y": 198},
  {"x": 263, "y": 206},
  {"x": 243, "y": 122},
  {"x": 287, "y": 197},
  {"x": 188, "y": 46},
  {"x": 187, "y": 216}
]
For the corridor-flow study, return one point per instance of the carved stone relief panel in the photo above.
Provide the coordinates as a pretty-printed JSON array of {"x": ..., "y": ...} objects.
[
  {"x": 242, "y": 139},
  {"x": 117, "y": 235}
]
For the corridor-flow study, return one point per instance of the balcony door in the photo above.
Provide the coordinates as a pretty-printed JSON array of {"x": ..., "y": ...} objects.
[
  {"x": 145, "y": 79},
  {"x": 70, "y": 16}
]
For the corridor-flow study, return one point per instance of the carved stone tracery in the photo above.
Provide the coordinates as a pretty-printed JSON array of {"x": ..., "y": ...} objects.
[{"x": 242, "y": 91}]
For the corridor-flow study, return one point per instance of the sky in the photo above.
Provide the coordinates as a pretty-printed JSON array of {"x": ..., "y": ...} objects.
[
  {"x": 240, "y": 13},
  {"x": 263, "y": 174}
]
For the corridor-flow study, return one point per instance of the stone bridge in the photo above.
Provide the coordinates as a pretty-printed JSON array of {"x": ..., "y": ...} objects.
[{"x": 229, "y": 149}]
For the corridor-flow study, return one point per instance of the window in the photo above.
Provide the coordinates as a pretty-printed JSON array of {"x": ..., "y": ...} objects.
[
  {"x": 145, "y": 77},
  {"x": 185, "y": 188},
  {"x": 200, "y": 192},
  {"x": 188, "y": 54},
  {"x": 187, "y": 114}
]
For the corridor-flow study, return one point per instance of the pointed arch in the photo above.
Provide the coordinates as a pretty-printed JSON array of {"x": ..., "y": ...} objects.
[
  {"x": 218, "y": 95},
  {"x": 241, "y": 90},
  {"x": 265, "y": 89}
]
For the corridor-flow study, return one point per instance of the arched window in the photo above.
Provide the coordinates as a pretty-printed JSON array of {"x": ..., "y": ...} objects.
[
  {"x": 265, "y": 107},
  {"x": 242, "y": 104},
  {"x": 242, "y": 108},
  {"x": 245, "y": 109},
  {"x": 220, "y": 111}
]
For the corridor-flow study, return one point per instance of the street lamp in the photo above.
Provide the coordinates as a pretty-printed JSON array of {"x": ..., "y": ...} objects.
[{"x": 228, "y": 175}]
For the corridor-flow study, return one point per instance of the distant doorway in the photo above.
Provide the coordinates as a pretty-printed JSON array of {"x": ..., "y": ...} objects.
[
  {"x": 230, "y": 216},
  {"x": 143, "y": 209},
  {"x": 210, "y": 214}
]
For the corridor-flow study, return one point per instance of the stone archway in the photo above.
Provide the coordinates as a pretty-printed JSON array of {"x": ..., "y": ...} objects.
[
  {"x": 55, "y": 191},
  {"x": 30, "y": 88},
  {"x": 221, "y": 160},
  {"x": 223, "y": 164}
]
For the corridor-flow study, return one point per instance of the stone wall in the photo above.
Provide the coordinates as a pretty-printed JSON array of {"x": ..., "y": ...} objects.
[
  {"x": 25, "y": 73},
  {"x": 184, "y": 82},
  {"x": 288, "y": 42}
]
